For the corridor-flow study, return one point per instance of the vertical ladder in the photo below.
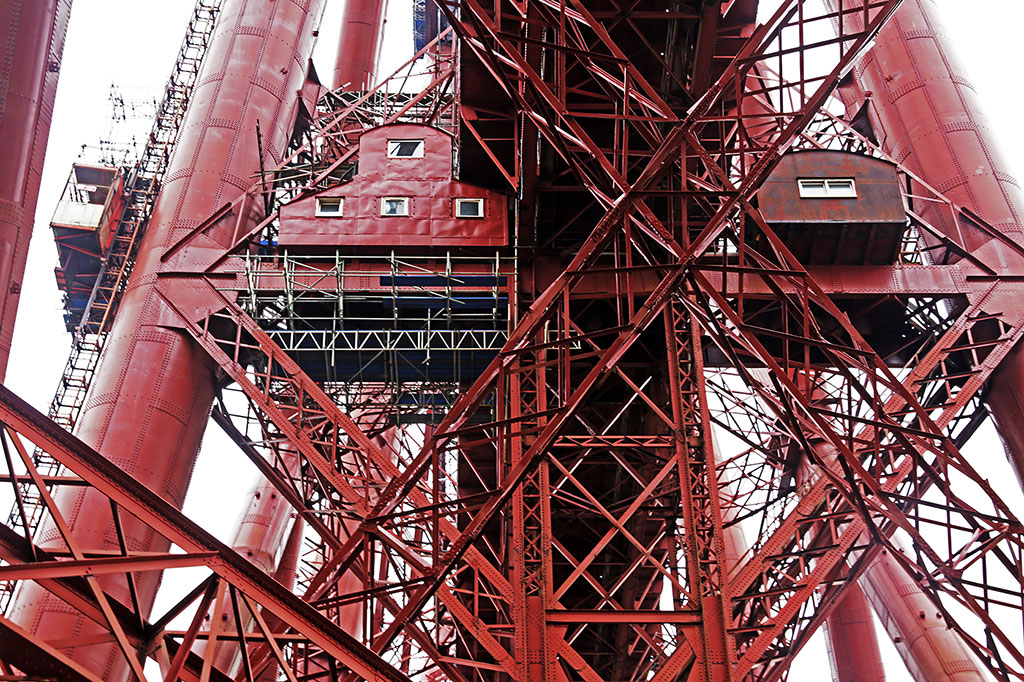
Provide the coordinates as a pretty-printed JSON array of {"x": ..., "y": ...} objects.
[{"x": 142, "y": 188}]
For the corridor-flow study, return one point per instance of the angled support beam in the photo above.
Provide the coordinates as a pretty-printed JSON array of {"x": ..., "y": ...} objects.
[{"x": 162, "y": 517}]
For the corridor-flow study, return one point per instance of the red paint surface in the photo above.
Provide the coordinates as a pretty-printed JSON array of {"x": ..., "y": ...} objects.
[
  {"x": 33, "y": 36},
  {"x": 259, "y": 536},
  {"x": 851, "y": 641},
  {"x": 362, "y": 27},
  {"x": 878, "y": 192},
  {"x": 864, "y": 230},
  {"x": 852, "y": 644},
  {"x": 146, "y": 324},
  {"x": 926, "y": 114},
  {"x": 426, "y": 181},
  {"x": 153, "y": 390},
  {"x": 931, "y": 651}
]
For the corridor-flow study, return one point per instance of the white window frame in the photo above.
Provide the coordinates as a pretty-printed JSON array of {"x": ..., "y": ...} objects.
[
  {"x": 827, "y": 188},
  {"x": 322, "y": 202},
  {"x": 384, "y": 201},
  {"x": 417, "y": 154},
  {"x": 478, "y": 202}
]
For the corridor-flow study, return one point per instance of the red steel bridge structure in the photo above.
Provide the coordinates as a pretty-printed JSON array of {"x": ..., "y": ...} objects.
[{"x": 604, "y": 341}]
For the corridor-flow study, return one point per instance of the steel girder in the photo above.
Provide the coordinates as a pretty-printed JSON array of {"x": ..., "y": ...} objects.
[
  {"x": 457, "y": 600},
  {"x": 232, "y": 572}
]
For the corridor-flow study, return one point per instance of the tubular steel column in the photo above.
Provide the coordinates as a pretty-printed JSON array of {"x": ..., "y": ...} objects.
[
  {"x": 153, "y": 390},
  {"x": 850, "y": 636},
  {"x": 34, "y": 38},
  {"x": 287, "y": 567},
  {"x": 925, "y": 113},
  {"x": 852, "y": 644},
  {"x": 259, "y": 533},
  {"x": 931, "y": 652},
  {"x": 362, "y": 28},
  {"x": 567, "y": 518}
]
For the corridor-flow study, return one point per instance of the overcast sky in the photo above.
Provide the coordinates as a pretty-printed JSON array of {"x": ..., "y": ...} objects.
[{"x": 133, "y": 44}]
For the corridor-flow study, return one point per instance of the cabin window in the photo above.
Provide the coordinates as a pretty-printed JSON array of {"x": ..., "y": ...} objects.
[
  {"x": 329, "y": 207},
  {"x": 469, "y": 208},
  {"x": 827, "y": 188},
  {"x": 405, "y": 149},
  {"x": 394, "y": 206}
]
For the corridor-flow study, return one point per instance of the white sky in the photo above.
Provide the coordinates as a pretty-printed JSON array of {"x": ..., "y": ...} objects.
[{"x": 133, "y": 44}]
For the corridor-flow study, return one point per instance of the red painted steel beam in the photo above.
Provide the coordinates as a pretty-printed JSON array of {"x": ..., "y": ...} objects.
[
  {"x": 943, "y": 419},
  {"x": 260, "y": 532},
  {"x": 35, "y": 657},
  {"x": 285, "y": 573},
  {"x": 33, "y": 36},
  {"x": 852, "y": 644},
  {"x": 362, "y": 28},
  {"x": 851, "y": 641},
  {"x": 153, "y": 389},
  {"x": 925, "y": 114},
  {"x": 280, "y": 482},
  {"x": 112, "y": 483},
  {"x": 73, "y": 590},
  {"x": 853, "y": 280},
  {"x": 622, "y": 616},
  {"x": 15, "y": 550},
  {"x": 839, "y": 282},
  {"x": 931, "y": 651},
  {"x": 317, "y": 408},
  {"x": 47, "y": 570},
  {"x": 781, "y": 280},
  {"x": 583, "y": 260}
]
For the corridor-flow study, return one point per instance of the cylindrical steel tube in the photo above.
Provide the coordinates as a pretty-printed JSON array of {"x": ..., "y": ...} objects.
[
  {"x": 852, "y": 644},
  {"x": 931, "y": 651},
  {"x": 152, "y": 393},
  {"x": 33, "y": 31},
  {"x": 287, "y": 570},
  {"x": 259, "y": 536},
  {"x": 925, "y": 113},
  {"x": 362, "y": 27}
]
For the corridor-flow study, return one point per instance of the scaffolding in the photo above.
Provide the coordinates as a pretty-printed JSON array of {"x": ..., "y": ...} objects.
[{"x": 387, "y": 318}]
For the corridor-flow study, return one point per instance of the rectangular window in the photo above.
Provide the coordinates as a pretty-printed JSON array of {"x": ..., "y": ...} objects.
[
  {"x": 329, "y": 207},
  {"x": 827, "y": 188},
  {"x": 394, "y": 206},
  {"x": 405, "y": 149},
  {"x": 469, "y": 208}
]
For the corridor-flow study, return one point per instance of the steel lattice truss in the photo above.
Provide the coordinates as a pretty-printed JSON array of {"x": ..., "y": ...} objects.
[{"x": 565, "y": 516}]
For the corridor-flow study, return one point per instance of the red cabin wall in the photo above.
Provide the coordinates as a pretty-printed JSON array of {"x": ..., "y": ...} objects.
[
  {"x": 878, "y": 192},
  {"x": 428, "y": 183}
]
